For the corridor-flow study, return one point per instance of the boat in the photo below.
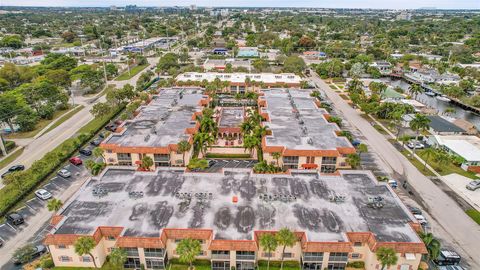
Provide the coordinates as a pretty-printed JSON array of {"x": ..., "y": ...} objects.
[
  {"x": 430, "y": 94},
  {"x": 443, "y": 98}
]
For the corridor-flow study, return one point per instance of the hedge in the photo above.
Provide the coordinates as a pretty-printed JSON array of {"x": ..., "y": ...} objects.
[
  {"x": 22, "y": 183},
  {"x": 356, "y": 264},
  {"x": 287, "y": 264},
  {"x": 10, "y": 145}
]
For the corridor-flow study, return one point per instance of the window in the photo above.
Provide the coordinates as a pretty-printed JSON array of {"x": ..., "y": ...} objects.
[
  {"x": 336, "y": 266},
  {"x": 356, "y": 256},
  {"x": 132, "y": 263},
  {"x": 65, "y": 259},
  {"x": 245, "y": 255},
  {"x": 290, "y": 162},
  {"x": 124, "y": 159},
  {"x": 338, "y": 256},
  {"x": 161, "y": 160},
  {"x": 310, "y": 160},
  {"x": 312, "y": 266},
  {"x": 61, "y": 246},
  {"x": 313, "y": 256},
  {"x": 154, "y": 264},
  {"x": 85, "y": 259},
  {"x": 288, "y": 255},
  {"x": 154, "y": 252},
  {"x": 357, "y": 244},
  {"x": 329, "y": 165},
  {"x": 267, "y": 254},
  {"x": 110, "y": 238},
  {"x": 216, "y": 265},
  {"x": 131, "y": 252}
]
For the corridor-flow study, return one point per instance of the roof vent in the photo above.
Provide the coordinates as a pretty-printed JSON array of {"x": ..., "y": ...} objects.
[
  {"x": 147, "y": 138},
  {"x": 310, "y": 141}
]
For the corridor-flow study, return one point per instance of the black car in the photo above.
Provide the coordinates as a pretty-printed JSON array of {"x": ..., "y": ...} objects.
[
  {"x": 14, "y": 168},
  {"x": 96, "y": 142},
  {"x": 111, "y": 127},
  {"x": 15, "y": 218},
  {"x": 447, "y": 257},
  {"x": 33, "y": 253},
  {"x": 1, "y": 243},
  {"x": 414, "y": 210},
  {"x": 85, "y": 152}
]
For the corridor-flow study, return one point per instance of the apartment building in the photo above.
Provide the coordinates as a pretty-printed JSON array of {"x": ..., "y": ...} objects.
[
  {"x": 242, "y": 82},
  {"x": 157, "y": 129},
  {"x": 337, "y": 218},
  {"x": 300, "y": 132}
]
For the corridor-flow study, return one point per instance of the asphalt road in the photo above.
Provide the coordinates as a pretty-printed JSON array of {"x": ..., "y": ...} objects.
[{"x": 463, "y": 231}]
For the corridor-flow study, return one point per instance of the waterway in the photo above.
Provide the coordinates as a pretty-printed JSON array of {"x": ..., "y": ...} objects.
[{"x": 439, "y": 105}]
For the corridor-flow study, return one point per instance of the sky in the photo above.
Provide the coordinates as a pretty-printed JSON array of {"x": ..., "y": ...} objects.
[{"x": 389, "y": 4}]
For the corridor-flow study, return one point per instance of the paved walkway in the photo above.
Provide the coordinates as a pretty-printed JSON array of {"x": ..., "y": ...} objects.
[{"x": 463, "y": 230}]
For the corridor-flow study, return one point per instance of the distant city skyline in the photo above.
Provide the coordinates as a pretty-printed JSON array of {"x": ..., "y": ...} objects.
[{"x": 378, "y": 4}]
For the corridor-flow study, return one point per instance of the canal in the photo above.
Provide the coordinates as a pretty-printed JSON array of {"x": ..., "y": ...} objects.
[{"x": 439, "y": 105}]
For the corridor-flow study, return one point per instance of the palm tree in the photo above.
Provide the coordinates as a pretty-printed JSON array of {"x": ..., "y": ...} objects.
[
  {"x": 203, "y": 141},
  {"x": 183, "y": 147},
  {"x": 442, "y": 159},
  {"x": 54, "y": 205},
  {"x": 404, "y": 139},
  {"x": 84, "y": 246},
  {"x": 269, "y": 243},
  {"x": 432, "y": 244},
  {"x": 362, "y": 148},
  {"x": 285, "y": 237},
  {"x": 353, "y": 160},
  {"x": 415, "y": 89},
  {"x": 386, "y": 256},
  {"x": 94, "y": 167},
  {"x": 427, "y": 153},
  {"x": 117, "y": 258},
  {"x": 98, "y": 152},
  {"x": 419, "y": 123},
  {"x": 450, "y": 111},
  {"x": 147, "y": 163},
  {"x": 277, "y": 156},
  {"x": 187, "y": 250}
]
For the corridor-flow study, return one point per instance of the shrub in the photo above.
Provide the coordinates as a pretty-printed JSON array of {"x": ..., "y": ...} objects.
[
  {"x": 48, "y": 264},
  {"x": 274, "y": 264},
  {"x": 357, "y": 264},
  {"x": 10, "y": 145},
  {"x": 24, "y": 182}
]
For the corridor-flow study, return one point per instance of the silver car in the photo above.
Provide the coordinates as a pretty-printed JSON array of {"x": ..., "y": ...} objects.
[
  {"x": 64, "y": 173},
  {"x": 43, "y": 194},
  {"x": 474, "y": 185}
]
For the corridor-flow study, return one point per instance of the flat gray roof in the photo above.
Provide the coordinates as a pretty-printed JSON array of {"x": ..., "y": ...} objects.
[
  {"x": 231, "y": 117},
  {"x": 300, "y": 201},
  {"x": 163, "y": 121},
  {"x": 297, "y": 123}
]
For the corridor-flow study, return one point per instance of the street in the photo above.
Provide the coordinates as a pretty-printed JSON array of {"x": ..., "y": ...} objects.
[{"x": 463, "y": 232}]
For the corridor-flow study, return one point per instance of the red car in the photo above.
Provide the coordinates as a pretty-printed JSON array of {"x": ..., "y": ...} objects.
[{"x": 75, "y": 161}]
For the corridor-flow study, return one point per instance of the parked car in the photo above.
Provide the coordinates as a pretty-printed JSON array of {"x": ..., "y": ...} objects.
[
  {"x": 414, "y": 210},
  {"x": 102, "y": 135},
  {"x": 356, "y": 142},
  {"x": 43, "y": 194},
  {"x": 96, "y": 142},
  {"x": 33, "y": 253},
  {"x": 14, "y": 168},
  {"x": 15, "y": 218},
  {"x": 1, "y": 243},
  {"x": 447, "y": 257},
  {"x": 76, "y": 161},
  {"x": 64, "y": 173},
  {"x": 85, "y": 152},
  {"x": 393, "y": 183},
  {"x": 474, "y": 185},
  {"x": 416, "y": 145},
  {"x": 421, "y": 219},
  {"x": 111, "y": 127},
  {"x": 211, "y": 163}
]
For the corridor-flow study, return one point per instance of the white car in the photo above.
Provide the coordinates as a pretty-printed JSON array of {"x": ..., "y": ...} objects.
[
  {"x": 421, "y": 219},
  {"x": 416, "y": 145},
  {"x": 64, "y": 173},
  {"x": 474, "y": 185},
  {"x": 43, "y": 194}
]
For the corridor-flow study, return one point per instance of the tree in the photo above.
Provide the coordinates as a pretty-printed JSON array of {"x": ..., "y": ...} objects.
[
  {"x": 356, "y": 70},
  {"x": 276, "y": 156},
  {"x": 386, "y": 256},
  {"x": 101, "y": 109},
  {"x": 285, "y": 237},
  {"x": 54, "y": 205},
  {"x": 187, "y": 250},
  {"x": 84, "y": 246},
  {"x": 427, "y": 153},
  {"x": 117, "y": 258},
  {"x": 98, "y": 152},
  {"x": 59, "y": 77},
  {"x": 24, "y": 254},
  {"x": 432, "y": 244},
  {"x": 442, "y": 159},
  {"x": 294, "y": 64},
  {"x": 12, "y": 41},
  {"x": 269, "y": 244},
  {"x": 68, "y": 36},
  {"x": 419, "y": 123},
  {"x": 377, "y": 88},
  {"x": 362, "y": 148},
  {"x": 404, "y": 139},
  {"x": 260, "y": 64},
  {"x": 111, "y": 69},
  {"x": 12, "y": 104},
  {"x": 94, "y": 167},
  {"x": 147, "y": 163},
  {"x": 168, "y": 61},
  {"x": 353, "y": 160},
  {"x": 415, "y": 89},
  {"x": 306, "y": 42},
  {"x": 183, "y": 147}
]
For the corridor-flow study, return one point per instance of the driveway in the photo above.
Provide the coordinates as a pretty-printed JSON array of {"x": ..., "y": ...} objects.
[{"x": 460, "y": 229}]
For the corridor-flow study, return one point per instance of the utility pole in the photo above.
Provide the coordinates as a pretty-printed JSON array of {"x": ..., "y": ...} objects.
[
  {"x": 103, "y": 60},
  {"x": 3, "y": 149}
]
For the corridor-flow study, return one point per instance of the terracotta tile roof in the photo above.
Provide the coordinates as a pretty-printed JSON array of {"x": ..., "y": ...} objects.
[
  {"x": 61, "y": 239},
  {"x": 328, "y": 247},
  {"x": 359, "y": 236},
  {"x": 143, "y": 242},
  {"x": 240, "y": 245},
  {"x": 56, "y": 219},
  {"x": 401, "y": 247},
  {"x": 204, "y": 234}
]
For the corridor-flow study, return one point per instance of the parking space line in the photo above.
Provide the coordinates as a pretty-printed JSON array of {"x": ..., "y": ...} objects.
[
  {"x": 31, "y": 208},
  {"x": 3, "y": 240},
  {"x": 11, "y": 226},
  {"x": 31, "y": 199},
  {"x": 54, "y": 184}
]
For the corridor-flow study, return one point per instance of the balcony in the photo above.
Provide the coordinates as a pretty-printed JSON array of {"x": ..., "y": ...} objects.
[
  {"x": 242, "y": 257},
  {"x": 221, "y": 256},
  {"x": 312, "y": 258}
]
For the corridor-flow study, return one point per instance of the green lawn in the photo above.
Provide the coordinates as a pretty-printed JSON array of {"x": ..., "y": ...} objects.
[
  {"x": 212, "y": 155},
  {"x": 419, "y": 165},
  {"x": 133, "y": 71},
  {"x": 4, "y": 162},
  {"x": 474, "y": 214},
  {"x": 40, "y": 125},
  {"x": 448, "y": 169},
  {"x": 64, "y": 118}
]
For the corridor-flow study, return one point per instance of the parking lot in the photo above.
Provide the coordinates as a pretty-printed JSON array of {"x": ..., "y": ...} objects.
[{"x": 231, "y": 163}]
